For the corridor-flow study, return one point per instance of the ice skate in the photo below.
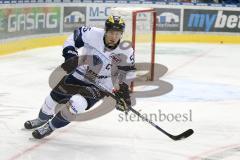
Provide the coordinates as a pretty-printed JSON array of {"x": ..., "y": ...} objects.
[
  {"x": 43, "y": 131},
  {"x": 31, "y": 124}
]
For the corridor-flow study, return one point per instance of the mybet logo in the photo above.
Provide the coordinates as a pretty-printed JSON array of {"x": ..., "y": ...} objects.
[{"x": 216, "y": 21}]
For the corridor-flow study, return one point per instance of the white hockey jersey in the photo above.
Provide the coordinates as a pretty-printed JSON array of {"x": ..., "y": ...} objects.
[{"x": 105, "y": 67}]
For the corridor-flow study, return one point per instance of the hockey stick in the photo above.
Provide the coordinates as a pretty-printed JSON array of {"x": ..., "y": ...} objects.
[{"x": 183, "y": 135}]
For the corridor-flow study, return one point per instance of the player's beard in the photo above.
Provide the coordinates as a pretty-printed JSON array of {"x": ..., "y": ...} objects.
[{"x": 111, "y": 45}]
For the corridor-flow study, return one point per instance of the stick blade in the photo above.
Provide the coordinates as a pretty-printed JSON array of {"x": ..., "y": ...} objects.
[{"x": 183, "y": 135}]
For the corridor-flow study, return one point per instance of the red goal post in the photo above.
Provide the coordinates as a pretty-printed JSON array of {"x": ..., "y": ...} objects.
[{"x": 134, "y": 17}]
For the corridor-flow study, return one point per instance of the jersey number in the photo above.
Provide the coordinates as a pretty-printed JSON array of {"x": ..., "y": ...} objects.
[
  {"x": 132, "y": 60},
  {"x": 86, "y": 29}
]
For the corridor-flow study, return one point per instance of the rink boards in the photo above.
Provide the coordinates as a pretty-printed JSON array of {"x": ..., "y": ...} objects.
[{"x": 44, "y": 25}]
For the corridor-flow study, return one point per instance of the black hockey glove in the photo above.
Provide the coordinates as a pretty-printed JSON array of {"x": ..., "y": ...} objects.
[
  {"x": 123, "y": 95},
  {"x": 70, "y": 64},
  {"x": 71, "y": 59}
]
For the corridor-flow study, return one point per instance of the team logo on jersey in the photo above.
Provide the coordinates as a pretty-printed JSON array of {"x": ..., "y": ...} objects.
[{"x": 115, "y": 58}]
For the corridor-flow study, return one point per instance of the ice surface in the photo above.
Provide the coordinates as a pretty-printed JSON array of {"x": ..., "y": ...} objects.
[{"x": 206, "y": 89}]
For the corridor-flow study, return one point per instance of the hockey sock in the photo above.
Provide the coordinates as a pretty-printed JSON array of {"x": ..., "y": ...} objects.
[
  {"x": 58, "y": 121},
  {"x": 44, "y": 117}
]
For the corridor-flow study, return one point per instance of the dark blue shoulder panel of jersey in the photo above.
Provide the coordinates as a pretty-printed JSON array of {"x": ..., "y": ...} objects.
[{"x": 78, "y": 38}]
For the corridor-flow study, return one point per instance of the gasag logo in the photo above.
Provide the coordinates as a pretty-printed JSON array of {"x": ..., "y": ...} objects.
[
  {"x": 23, "y": 21},
  {"x": 1, "y": 24},
  {"x": 16, "y": 22},
  {"x": 30, "y": 19}
]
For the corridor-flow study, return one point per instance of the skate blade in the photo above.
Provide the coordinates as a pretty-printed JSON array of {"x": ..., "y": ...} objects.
[{"x": 24, "y": 129}]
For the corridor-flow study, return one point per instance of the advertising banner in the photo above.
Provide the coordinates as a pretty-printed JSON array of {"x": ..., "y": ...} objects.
[
  {"x": 168, "y": 19},
  {"x": 15, "y": 22},
  {"x": 97, "y": 15},
  {"x": 211, "y": 20},
  {"x": 73, "y": 18}
]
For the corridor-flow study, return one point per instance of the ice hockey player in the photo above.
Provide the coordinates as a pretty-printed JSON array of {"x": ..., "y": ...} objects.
[{"x": 100, "y": 52}]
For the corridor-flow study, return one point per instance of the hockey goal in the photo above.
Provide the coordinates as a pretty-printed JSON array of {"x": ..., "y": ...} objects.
[{"x": 141, "y": 31}]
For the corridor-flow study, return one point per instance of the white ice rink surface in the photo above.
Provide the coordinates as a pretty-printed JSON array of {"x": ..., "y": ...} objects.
[{"x": 206, "y": 81}]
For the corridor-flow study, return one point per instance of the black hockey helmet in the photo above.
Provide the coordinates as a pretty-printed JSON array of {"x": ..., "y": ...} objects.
[{"x": 115, "y": 23}]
